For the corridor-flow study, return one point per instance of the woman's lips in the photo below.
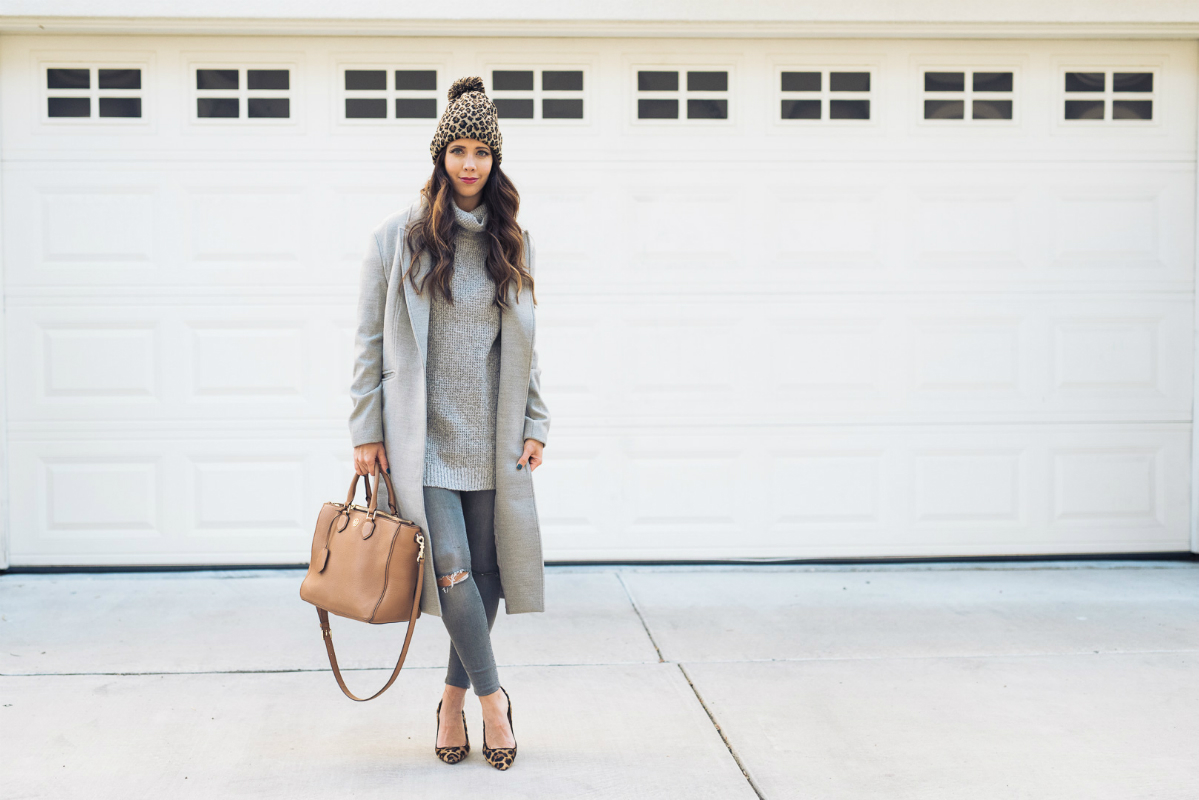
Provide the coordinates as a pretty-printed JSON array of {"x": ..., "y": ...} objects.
[{"x": 468, "y": 180}]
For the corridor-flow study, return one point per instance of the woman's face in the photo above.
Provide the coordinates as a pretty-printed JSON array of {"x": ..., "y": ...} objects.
[{"x": 468, "y": 163}]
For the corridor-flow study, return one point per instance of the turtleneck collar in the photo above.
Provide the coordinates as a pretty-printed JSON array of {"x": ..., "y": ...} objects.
[{"x": 474, "y": 221}]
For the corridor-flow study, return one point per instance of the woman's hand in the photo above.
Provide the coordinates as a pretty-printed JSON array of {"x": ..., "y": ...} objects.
[
  {"x": 532, "y": 455},
  {"x": 365, "y": 456}
]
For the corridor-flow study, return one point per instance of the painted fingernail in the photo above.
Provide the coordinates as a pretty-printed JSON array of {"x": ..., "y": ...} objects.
[{"x": 520, "y": 466}]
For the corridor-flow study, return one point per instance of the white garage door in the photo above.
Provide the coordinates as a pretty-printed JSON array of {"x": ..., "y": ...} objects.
[{"x": 798, "y": 298}]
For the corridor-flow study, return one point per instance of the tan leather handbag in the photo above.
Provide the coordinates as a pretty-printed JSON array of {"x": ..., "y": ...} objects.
[{"x": 366, "y": 565}]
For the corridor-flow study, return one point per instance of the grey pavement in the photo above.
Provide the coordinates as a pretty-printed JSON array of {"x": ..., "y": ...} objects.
[{"x": 1070, "y": 679}]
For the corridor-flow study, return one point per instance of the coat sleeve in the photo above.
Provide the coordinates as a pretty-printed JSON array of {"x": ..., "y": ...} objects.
[
  {"x": 366, "y": 390},
  {"x": 537, "y": 416}
]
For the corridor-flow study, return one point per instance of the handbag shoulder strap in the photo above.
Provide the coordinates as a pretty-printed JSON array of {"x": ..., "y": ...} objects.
[{"x": 327, "y": 633}]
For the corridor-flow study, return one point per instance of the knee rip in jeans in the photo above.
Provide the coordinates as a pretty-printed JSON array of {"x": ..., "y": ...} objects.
[
  {"x": 455, "y": 578},
  {"x": 446, "y": 581}
]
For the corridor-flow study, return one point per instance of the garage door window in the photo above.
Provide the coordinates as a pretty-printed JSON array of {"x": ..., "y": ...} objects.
[
  {"x": 824, "y": 94},
  {"x": 541, "y": 93},
  {"x": 968, "y": 95},
  {"x": 699, "y": 94},
  {"x": 1108, "y": 95},
  {"x": 74, "y": 92},
  {"x": 235, "y": 93},
  {"x": 387, "y": 92}
]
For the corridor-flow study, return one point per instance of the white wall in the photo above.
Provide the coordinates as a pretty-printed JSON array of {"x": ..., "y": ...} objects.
[
  {"x": 948, "y": 19},
  {"x": 887, "y": 11}
]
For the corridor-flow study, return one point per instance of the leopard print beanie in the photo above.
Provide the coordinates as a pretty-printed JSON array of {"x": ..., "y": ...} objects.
[{"x": 470, "y": 114}]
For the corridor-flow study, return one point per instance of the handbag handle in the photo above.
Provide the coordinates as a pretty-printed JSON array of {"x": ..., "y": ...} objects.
[
  {"x": 372, "y": 499},
  {"x": 327, "y": 633}
]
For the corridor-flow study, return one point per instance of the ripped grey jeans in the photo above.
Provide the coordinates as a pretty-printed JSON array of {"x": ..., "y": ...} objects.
[{"x": 462, "y": 536}]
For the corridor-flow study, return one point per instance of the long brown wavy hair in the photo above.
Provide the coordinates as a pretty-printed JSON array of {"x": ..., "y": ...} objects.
[{"x": 434, "y": 231}]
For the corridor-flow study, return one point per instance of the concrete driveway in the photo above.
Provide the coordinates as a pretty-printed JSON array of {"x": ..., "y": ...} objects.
[{"x": 965, "y": 680}]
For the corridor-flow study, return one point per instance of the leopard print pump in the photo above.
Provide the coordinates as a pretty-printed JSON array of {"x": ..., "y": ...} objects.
[
  {"x": 501, "y": 757},
  {"x": 452, "y": 755}
]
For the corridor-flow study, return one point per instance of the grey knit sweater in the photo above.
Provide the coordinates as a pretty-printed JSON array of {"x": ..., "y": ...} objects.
[{"x": 462, "y": 371}]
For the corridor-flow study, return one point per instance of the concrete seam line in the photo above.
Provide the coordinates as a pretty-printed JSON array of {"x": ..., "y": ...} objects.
[
  {"x": 296, "y": 670},
  {"x": 153, "y": 673},
  {"x": 952, "y": 657},
  {"x": 752, "y": 783},
  {"x": 641, "y": 617}
]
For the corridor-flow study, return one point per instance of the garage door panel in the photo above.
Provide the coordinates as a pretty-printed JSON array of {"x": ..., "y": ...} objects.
[
  {"x": 251, "y": 361},
  {"x": 100, "y": 495},
  {"x": 965, "y": 227},
  {"x": 83, "y": 365},
  {"x": 824, "y": 357},
  {"x": 110, "y": 360},
  {"x": 1110, "y": 228},
  {"x": 1124, "y": 223},
  {"x": 830, "y": 491},
  {"x": 968, "y": 485},
  {"x": 1108, "y": 485},
  {"x": 1117, "y": 354},
  {"x": 820, "y": 226},
  {"x": 78, "y": 230},
  {"x": 979, "y": 354},
  {"x": 258, "y": 495},
  {"x": 103, "y": 227},
  {"x": 247, "y": 226}
]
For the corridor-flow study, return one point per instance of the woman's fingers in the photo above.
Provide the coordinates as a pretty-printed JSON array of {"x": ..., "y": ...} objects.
[
  {"x": 366, "y": 455},
  {"x": 531, "y": 457}
]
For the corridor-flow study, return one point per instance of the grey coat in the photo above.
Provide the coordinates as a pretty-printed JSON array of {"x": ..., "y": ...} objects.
[{"x": 389, "y": 396}]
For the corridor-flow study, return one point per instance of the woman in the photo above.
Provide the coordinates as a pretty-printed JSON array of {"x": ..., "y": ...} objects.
[{"x": 446, "y": 390}]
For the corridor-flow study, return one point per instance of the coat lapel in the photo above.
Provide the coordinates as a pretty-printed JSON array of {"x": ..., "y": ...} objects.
[
  {"x": 516, "y": 329},
  {"x": 418, "y": 311},
  {"x": 517, "y": 321},
  {"x": 418, "y": 304}
]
